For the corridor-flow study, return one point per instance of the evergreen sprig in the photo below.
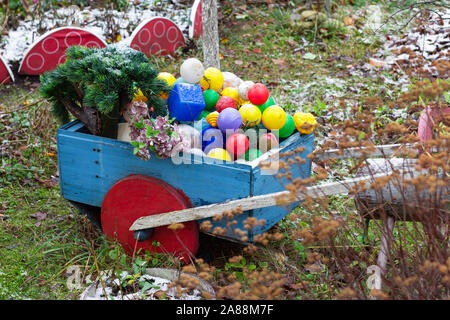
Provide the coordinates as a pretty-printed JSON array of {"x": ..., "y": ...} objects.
[{"x": 102, "y": 81}]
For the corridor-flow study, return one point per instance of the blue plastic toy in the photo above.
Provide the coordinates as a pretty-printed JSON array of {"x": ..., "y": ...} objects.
[{"x": 186, "y": 102}]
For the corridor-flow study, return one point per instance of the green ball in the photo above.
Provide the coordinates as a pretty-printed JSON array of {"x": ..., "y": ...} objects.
[
  {"x": 268, "y": 103},
  {"x": 203, "y": 115},
  {"x": 251, "y": 155},
  {"x": 211, "y": 97},
  {"x": 288, "y": 127}
]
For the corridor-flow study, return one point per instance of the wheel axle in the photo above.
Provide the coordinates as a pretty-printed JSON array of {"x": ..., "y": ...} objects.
[{"x": 142, "y": 235}]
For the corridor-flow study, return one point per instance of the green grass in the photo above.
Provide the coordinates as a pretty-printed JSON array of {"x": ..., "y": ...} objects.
[{"x": 256, "y": 44}]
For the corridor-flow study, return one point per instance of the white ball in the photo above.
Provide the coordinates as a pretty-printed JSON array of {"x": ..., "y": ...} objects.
[
  {"x": 192, "y": 70},
  {"x": 230, "y": 80},
  {"x": 243, "y": 89},
  {"x": 191, "y": 136}
]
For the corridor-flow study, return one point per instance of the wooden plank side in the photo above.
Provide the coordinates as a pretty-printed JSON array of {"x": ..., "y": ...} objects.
[
  {"x": 87, "y": 173},
  {"x": 265, "y": 184}
]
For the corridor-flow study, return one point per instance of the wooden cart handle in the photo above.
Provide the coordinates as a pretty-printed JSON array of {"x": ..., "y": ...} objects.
[{"x": 250, "y": 203}]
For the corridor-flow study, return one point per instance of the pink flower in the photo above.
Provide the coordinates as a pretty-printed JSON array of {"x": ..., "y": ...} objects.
[{"x": 158, "y": 135}]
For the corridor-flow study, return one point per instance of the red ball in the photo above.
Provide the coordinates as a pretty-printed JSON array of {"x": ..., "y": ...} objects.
[
  {"x": 258, "y": 94},
  {"x": 225, "y": 102},
  {"x": 268, "y": 141},
  {"x": 237, "y": 144}
]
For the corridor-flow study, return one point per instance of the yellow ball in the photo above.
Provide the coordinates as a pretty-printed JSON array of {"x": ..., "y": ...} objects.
[
  {"x": 212, "y": 79},
  {"x": 242, "y": 102},
  {"x": 251, "y": 115},
  {"x": 274, "y": 117},
  {"x": 170, "y": 79},
  {"x": 304, "y": 122},
  {"x": 139, "y": 96},
  {"x": 232, "y": 93},
  {"x": 219, "y": 153},
  {"x": 212, "y": 118}
]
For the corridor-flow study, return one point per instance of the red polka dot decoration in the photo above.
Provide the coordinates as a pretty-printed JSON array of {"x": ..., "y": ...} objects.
[
  {"x": 157, "y": 36},
  {"x": 196, "y": 26},
  {"x": 49, "y": 50},
  {"x": 6, "y": 75}
]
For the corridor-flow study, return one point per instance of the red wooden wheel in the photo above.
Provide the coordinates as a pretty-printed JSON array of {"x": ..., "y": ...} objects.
[{"x": 136, "y": 196}]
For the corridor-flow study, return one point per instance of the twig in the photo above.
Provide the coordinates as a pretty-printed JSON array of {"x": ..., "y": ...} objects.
[
  {"x": 409, "y": 8},
  {"x": 98, "y": 271}
]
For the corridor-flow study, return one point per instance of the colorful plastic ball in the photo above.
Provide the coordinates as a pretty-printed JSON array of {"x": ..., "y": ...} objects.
[
  {"x": 191, "y": 137},
  {"x": 212, "y": 138},
  {"x": 169, "y": 78},
  {"x": 230, "y": 80},
  {"x": 179, "y": 80},
  {"x": 237, "y": 144},
  {"x": 212, "y": 119},
  {"x": 243, "y": 89},
  {"x": 203, "y": 115},
  {"x": 274, "y": 117},
  {"x": 211, "y": 97},
  {"x": 268, "y": 103},
  {"x": 251, "y": 115},
  {"x": 288, "y": 128},
  {"x": 220, "y": 154},
  {"x": 212, "y": 79},
  {"x": 241, "y": 102},
  {"x": 232, "y": 93},
  {"x": 304, "y": 122},
  {"x": 229, "y": 119},
  {"x": 224, "y": 103},
  {"x": 268, "y": 141},
  {"x": 258, "y": 94},
  {"x": 251, "y": 154},
  {"x": 192, "y": 70}
]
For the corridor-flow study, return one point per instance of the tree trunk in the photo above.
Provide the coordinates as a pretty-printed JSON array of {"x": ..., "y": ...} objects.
[
  {"x": 109, "y": 123},
  {"x": 210, "y": 34}
]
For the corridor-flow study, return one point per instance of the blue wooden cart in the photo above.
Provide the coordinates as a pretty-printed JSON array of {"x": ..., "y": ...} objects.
[{"x": 98, "y": 175}]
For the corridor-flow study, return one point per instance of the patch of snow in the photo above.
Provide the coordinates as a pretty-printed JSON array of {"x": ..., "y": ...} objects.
[{"x": 98, "y": 21}]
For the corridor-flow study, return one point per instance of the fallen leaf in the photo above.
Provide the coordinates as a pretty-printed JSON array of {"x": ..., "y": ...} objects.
[
  {"x": 314, "y": 267},
  {"x": 47, "y": 183},
  {"x": 49, "y": 154},
  {"x": 257, "y": 50},
  {"x": 376, "y": 62},
  {"x": 39, "y": 216},
  {"x": 309, "y": 56},
  {"x": 280, "y": 62},
  {"x": 292, "y": 43},
  {"x": 239, "y": 62},
  {"x": 348, "y": 21}
]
